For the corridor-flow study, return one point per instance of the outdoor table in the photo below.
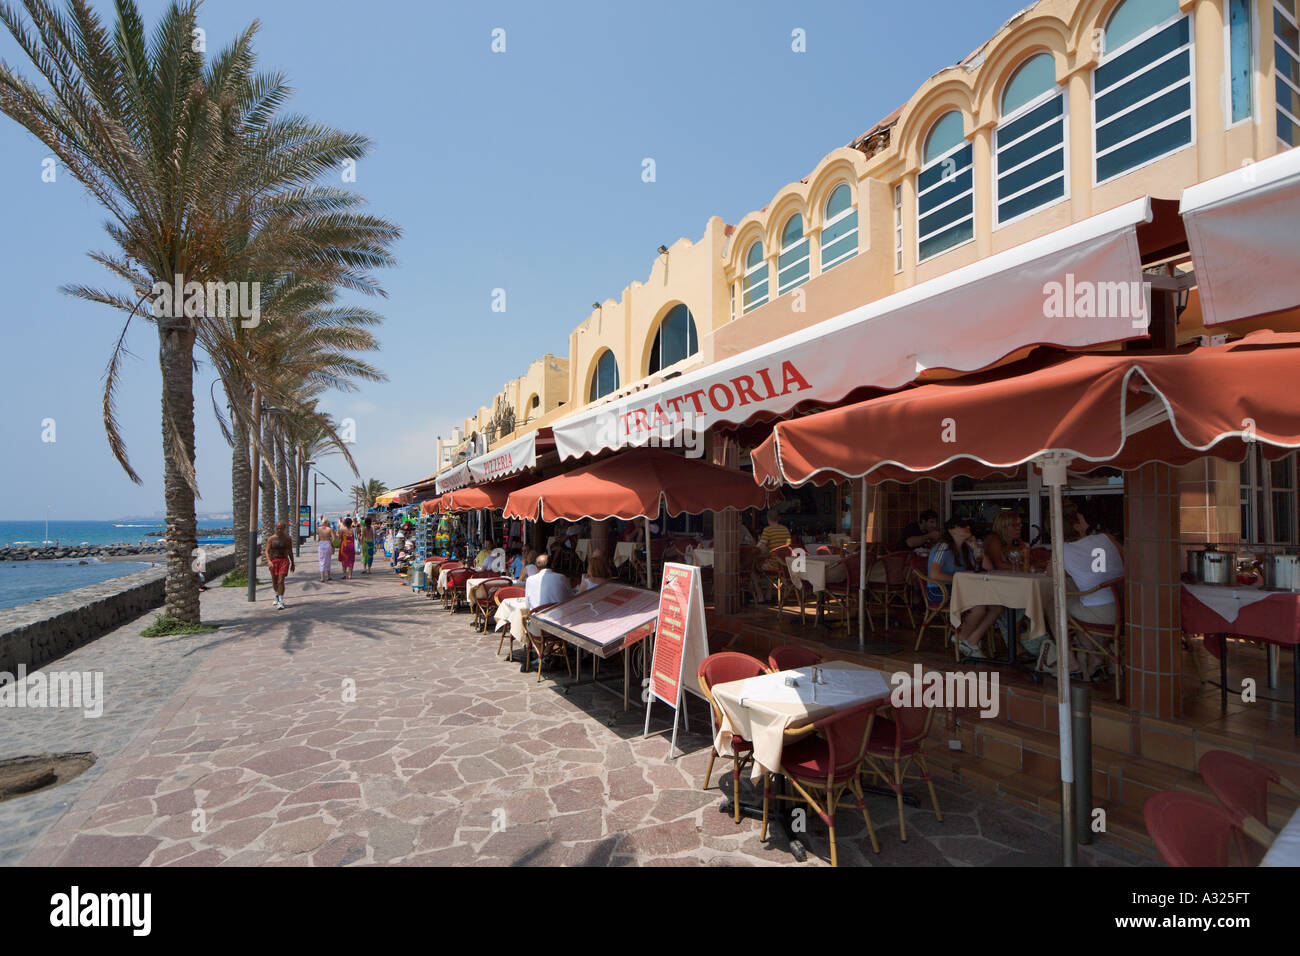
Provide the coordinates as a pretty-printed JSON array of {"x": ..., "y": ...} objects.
[
  {"x": 1013, "y": 590},
  {"x": 603, "y": 621},
  {"x": 584, "y": 548},
  {"x": 1224, "y": 610},
  {"x": 818, "y": 571},
  {"x": 511, "y": 615},
  {"x": 477, "y": 580},
  {"x": 623, "y": 552},
  {"x": 760, "y": 709},
  {"x": 1285, "y": 850},
  {"x": 702, "y": 557}
]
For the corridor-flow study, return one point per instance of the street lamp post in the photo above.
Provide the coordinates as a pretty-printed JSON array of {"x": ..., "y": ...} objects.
[{"x": 252, "y": 498}]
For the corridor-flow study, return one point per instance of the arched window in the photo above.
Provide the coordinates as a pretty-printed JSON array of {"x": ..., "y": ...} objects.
[
  {"x": 675, "y": 339},
  {"x": 755, "y": 281},
  {"x": 1029, "y": 144},
  {"x": 945, "y": 193},
  {"x": 794, "y": 264},
  {"x": 1142, "y": 89},
  {"x": 605, "y": 379},
  {"x": 840, "y": 228}
]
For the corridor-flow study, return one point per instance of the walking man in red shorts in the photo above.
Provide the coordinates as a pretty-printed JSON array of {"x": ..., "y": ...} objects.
[{"x": 279, "y": 559}]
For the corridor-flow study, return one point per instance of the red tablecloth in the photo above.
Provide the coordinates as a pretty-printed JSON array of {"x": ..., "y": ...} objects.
[{"x": 1275, "y": 619}]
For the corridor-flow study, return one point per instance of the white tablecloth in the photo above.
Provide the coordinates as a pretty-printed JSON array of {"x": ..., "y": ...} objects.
[
  {"x": 511, "y": 614},
  {"x": 701, "y": 557},
  {"x": 818, "y": 569},
  {"x": 1285, "y": 850},
  {"x": 1226, "y": 600},
  {"x": 760, "y": 709},
  {"x": 623, "y": 552},
  {"x": 584, "y": 548}
]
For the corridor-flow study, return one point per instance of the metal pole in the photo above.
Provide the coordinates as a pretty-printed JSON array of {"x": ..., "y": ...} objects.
[
  {"x": 1081, "y": 715},
  {"x": 1054, "y": 476},
  {"x": 648, "y": 562},
  {"x": 252, "y": 498},
  {"x": 862, "y": 572}
]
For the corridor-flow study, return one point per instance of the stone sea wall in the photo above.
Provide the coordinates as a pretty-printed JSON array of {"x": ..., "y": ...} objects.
[{"x": 42, "y": 631}]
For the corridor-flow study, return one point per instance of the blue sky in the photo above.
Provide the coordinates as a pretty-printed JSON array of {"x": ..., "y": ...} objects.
[{"x": 519, "y": 170}]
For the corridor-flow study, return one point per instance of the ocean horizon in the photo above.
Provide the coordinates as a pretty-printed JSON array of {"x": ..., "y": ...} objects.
[{"x": 75, "y": 533}]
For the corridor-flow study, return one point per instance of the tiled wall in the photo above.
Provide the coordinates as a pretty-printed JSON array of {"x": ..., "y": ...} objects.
[
  {"x": 1153, "y": 563},
  {"x": 726, "y": 539},
  {"x": 1209, "y": 502}
]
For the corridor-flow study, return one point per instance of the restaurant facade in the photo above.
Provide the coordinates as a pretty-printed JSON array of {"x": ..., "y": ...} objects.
[{"x": 1059, "y": 150}]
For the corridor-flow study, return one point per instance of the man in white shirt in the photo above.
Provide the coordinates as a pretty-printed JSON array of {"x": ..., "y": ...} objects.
[{"x": 546, "y": 586}]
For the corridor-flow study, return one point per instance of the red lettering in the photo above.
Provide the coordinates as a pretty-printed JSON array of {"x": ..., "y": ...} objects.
[
  {"x": 767, "y": 380},
  {"x": 713, "y": 399},
  {"x": 695, "y": 397},
  {"x": 622, "y": 422},
  {"x": 791, "y": 374},
  {"x": 744, "y": 386},
  {"x": 659, "y": 416},
  {"x": 676, "y": 405},
  {"x": 642, "y": 419}
]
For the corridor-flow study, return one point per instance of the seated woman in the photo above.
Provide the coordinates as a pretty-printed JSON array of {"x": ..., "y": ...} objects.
[
  {"x": 950, "y": 554},
  {"x": 1003, "y": 548},
  {"x": 530, "y": 563},
  {"x": 597, "y": 571},
  {"x": 515, "y": 564},
  {"x": 1090, "y": 560}
]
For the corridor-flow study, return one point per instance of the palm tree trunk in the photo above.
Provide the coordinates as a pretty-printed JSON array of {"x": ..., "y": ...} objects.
[
  {"x": 176, "y": 360},
  {"x": 291, "y": 466},
  {"x": 240, "y": 479},
  {"x": 282, "y": 490},
  {"x": 268, "y": 481}
]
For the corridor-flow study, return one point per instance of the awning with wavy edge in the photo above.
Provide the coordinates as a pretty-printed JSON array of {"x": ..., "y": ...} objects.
[
  {"x": 492, "y": 495},
  {"x": 634, "y": 485},
  {"x": 399, "y": 496},
  {"x": 1242, "y": 229},
  {"x": 967, "y": 319},
  {"x": 512, "y": 458},
  {"x": 1117, "y": 409}
]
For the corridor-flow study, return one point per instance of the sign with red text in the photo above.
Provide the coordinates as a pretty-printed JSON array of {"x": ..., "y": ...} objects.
[{"x": 681, "y": 640}]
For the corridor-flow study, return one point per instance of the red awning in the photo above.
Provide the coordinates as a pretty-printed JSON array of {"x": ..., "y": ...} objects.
[
  {"x": 492, "y": 495},
  {"x": 1118, "y": 409},
  {"x": 634, "y": 485},
  {"x": 430, "y": 507}
]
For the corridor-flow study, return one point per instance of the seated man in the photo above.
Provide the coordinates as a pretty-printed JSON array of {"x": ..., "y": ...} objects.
[
  {"x": 481, "y": 558},
  {"x": 546, "y": 586},
  {"x": 924, "y": 532}
]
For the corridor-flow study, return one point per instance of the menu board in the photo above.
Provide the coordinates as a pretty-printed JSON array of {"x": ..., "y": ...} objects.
[
  {"x": 603, "y": 620},
  {"x": 680, "y": 640}
]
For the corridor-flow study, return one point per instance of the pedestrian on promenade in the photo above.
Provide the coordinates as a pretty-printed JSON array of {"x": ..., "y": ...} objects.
[
  {"x": 347, "y": 548},
  {"x": 325, "y": 549},
  {"x": 279, "y": 559},
  {"x": 367, "y": 545}
]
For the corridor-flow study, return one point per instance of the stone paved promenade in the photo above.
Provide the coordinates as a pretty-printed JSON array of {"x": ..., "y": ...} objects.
[{"x": 448, "y": 755}]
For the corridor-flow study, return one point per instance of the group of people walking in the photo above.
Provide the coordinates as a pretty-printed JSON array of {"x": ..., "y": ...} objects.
[{"x": 347, "y": 539}]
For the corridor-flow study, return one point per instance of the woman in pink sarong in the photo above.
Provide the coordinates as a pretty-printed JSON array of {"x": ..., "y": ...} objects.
[{"x": 347, "y": 548}]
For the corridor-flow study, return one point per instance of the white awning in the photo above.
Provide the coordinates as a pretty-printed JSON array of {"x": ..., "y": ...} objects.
[
  {"x": 1242, "y": 228},
  {"x": 453, "y": 478},
  {"x": 1078, "y": 287},
  {"x": 518, "y": 455}
]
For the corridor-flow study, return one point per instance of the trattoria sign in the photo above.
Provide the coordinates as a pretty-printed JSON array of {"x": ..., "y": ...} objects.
[{"x": 964, "y": 320}]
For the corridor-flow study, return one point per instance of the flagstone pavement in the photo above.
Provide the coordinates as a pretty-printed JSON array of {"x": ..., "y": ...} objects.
[{"x": 364, "y": 725}]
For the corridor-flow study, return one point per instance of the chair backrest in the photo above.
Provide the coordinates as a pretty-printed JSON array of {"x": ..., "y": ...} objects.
[
  {"x": 853, "y": 569},
  {"x": 783, "y": 552},
  {"x": 1241, "y": 784},
  {"x": 930, "y": 602},
  {"x": 846, "y": 736},
  {"x": 824, "y": 549},
  {"x": 788, "y": 657},
  {"x": 911, "y": 722},
  {"x": 896, "y": 567},
  {"x": 724, "y": 667},
  {"x": 509, "y": 591},
  {"x": 1191, "y": 831}
]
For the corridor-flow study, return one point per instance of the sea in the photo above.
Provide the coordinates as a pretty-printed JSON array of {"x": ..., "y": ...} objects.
[{"x": 23, "y": 581}]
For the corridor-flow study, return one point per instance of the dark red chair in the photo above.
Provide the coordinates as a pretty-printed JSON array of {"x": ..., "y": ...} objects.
[
  {"x": 484, "y": 604},
  {"x": 455, "y": 590},
  {"x": 722, "y": 668},
  {"x": 897, "y": 741},
  {"x": 845, "y": 593},
  {"x": 541, "y": 642},
  {"x": 892, "y": 590},
  {"x": 828, "y": 762},
  {"x": 788, "y": 657},
  {"x": 1191, "y": 831},
  {"x": 1241, "y": 785}
]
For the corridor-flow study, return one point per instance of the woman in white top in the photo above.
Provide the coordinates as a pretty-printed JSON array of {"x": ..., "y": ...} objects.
[{"x": 1090, "y": 560}]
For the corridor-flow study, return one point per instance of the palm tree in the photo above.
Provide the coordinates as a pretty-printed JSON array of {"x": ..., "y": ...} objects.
[
  {"x": 364, "y": 495},
  {"x": 202, "y": 178}
]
